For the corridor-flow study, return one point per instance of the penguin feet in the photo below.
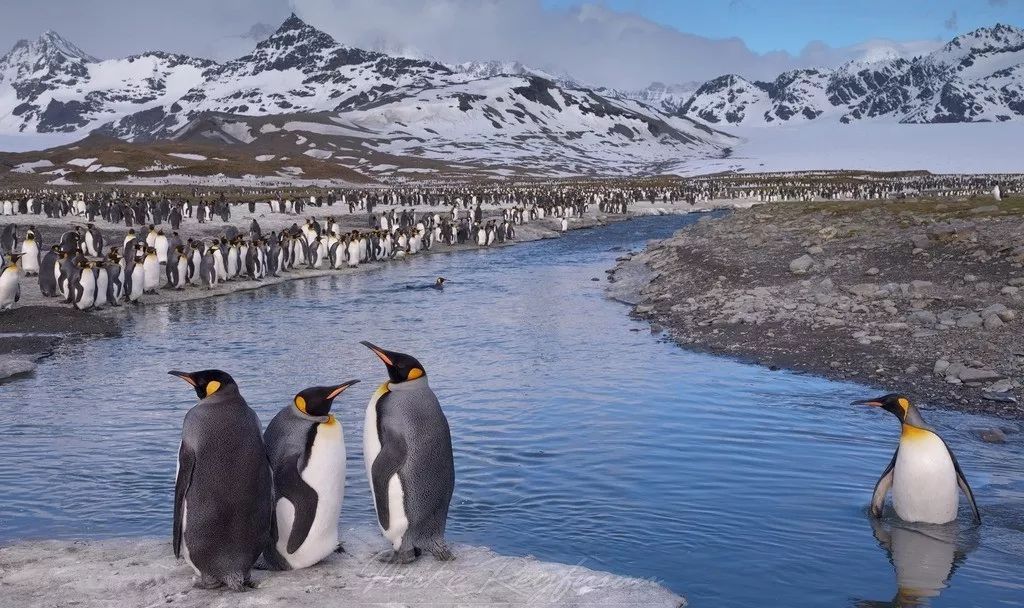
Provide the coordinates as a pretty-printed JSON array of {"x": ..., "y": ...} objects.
[
  {"x": 441, "y": 551},
  {"x": 340, "y": 548},
  {"x": 398, "y": 557},
  {"x": 206, "y": 581}
]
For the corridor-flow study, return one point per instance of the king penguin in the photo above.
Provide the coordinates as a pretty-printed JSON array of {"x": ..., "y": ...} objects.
[
  {"x": 222, "y": 494},
  {"x": 407, "y": 448},
  {"x": 923, "y": 474},
  {"x": 10, "y": 282},
  {"x": 306, "y": 448}
]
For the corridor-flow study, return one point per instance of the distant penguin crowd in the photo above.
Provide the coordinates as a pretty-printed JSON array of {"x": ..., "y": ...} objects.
[
  {"x": 277, "y": 505},
  {"x": 86, "y": 270}
]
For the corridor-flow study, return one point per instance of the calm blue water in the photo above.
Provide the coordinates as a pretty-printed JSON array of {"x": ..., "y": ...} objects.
[{"x": 579, "y": 436}]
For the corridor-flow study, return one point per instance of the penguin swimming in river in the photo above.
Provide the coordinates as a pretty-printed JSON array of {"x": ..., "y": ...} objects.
[
  {"x": 407, "y": 448},
  {"x": 306, "y": 449},
  {"x": 923, "y": 474},
  {"x": 222, "y": 493}
]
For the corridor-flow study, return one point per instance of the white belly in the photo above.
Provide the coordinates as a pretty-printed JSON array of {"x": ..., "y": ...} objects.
[
  {"x": 924, "y": 487},
  {"x": 30, "y": 263},
  {"x": 138, "y": 282},
  {"x": 184, "y": 545},
  {"x": 8, "y": 287},
  {"x": 101, "y": 288},
  {"x": 325, "y": 473},
  {"x": 88, "y": 293},
  {"x": 398, "y": 523},
  {"x": 151, "y": 270}
]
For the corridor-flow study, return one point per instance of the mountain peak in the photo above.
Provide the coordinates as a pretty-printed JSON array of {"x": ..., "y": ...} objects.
[
  {"x": 291, "y": 24},
  {"x": 51, "y": 39}
]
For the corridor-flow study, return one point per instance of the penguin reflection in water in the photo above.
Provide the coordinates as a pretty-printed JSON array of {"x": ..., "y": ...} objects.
[
  {"x": 407, "y": 448},
  {"x": 925, "y": 557},
  {"x": 306, "y": 448},
  {"x": 923, "y": 474},
  {"x": 222, "y": 500}
]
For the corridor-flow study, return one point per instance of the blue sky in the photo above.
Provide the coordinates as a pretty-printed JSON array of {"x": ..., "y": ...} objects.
[{"x": 790, "y": 24}]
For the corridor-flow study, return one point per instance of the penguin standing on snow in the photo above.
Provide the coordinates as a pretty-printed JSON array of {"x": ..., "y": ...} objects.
[
  {"x": 306, "y": 449},
  {"x": 407, "y": 448},
  {"x": 222, "y": 507},
  {"x": 923, "y": 474}
]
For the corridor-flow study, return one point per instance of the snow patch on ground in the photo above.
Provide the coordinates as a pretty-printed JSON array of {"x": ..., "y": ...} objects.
[
  {"x": 187, "y": 156},
  {"x": 874, "y": 146},
  {"x": 32, "y": 166},
  {"x": 321, "y": 154},
  {"x": 143, "y": 572},
  {"x": 27, "y": 142},
  {"x": 265, "y": 157},
  {"x": 238, "y": 130},
  {"x": 81, "y": 162}
]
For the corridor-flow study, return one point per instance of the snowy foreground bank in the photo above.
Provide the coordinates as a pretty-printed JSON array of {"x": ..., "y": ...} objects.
[{"x": 143, "y": 572}]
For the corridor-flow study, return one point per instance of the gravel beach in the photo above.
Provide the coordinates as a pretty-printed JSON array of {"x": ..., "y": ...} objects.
[{"x": 920, "y": 297}]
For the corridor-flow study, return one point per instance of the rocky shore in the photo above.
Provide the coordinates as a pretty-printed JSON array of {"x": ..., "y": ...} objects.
[
  {"x": 143, "y": 572},
  {"x": 921, "y": 297}
]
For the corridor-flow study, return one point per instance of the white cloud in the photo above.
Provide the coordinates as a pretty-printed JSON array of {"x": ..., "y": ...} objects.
[{"x": 591, "y": 42}]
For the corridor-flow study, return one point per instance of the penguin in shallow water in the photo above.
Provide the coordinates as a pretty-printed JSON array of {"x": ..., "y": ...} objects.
[
  {"x": 306, "y": 449},
  {"x": 407, "y": 448},
  {"x": 222, "y": 491},
  {"x": 923, "y": 474}
]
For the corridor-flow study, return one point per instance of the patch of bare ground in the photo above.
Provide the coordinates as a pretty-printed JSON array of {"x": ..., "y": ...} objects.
[{"x": 924, "y": 297}]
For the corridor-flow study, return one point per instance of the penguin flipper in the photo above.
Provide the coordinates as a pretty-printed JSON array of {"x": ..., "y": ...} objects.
[
  {"x": 385, "y": 466},
  {"x": 186, "y": 463},
  {"x": 882, "y": 487},
  {"x": 961, "y": 480},
  {"x": 290, "y": 485}
]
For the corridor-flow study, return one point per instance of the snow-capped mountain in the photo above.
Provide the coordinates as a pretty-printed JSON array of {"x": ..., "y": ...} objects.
[
  {"x": 302, "y": 88},
  {"x": 490, "y": 69},
  {"x": 669, "y": 98},
  {"x": 50, "y": 85},
  {"x": 976, "y": 77}
]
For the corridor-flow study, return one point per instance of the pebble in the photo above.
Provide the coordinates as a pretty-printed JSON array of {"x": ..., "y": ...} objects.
[
  {"x": 801, "y": 265},
  {"x": 969, "y": 321}
]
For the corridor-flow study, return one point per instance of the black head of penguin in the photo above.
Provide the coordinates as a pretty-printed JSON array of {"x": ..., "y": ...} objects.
[
  {"x": 206, "y": 382},
  {"x": 317, "y": 401},
  {"x": 896, "y": 404},
  {"x": 401, "y": 367}
]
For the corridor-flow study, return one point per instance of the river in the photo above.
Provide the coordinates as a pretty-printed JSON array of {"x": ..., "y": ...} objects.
[{"x": 579, "y": 436}]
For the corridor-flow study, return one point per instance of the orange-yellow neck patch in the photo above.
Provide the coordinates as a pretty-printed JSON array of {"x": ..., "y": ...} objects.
[{"x": 914, "y": 433}]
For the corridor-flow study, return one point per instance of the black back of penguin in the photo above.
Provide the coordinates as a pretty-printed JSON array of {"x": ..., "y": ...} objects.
[{"x": 223, "y": 490}]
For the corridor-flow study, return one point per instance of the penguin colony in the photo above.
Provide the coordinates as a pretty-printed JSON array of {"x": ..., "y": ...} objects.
[
  {"x": 277, "y": 505},
  {"x": 87, "y": 272}
]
